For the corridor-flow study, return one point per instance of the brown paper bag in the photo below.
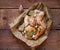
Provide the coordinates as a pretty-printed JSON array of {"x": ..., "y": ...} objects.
[{"x": 17, "y": 21}]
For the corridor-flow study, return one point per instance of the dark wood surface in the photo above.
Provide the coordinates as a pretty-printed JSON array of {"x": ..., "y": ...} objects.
[
  {"x": 16, "y": 4},
  {"x": 9, "y": 11}
]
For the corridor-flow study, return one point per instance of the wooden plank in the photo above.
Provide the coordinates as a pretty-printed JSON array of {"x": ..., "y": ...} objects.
[
  {"x": 55, "y": 13},
  {"x": 8, "y": 15},
  {"x": 16, "y": 4},
  {"x": 52, "y": 43},
  {"x": 8, "y": 41}
]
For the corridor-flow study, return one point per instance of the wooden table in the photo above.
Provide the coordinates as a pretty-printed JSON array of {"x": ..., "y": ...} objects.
[{"x": 9, "y": 11}]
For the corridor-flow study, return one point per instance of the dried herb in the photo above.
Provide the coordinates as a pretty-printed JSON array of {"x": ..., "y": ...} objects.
[
  {"x": 31, "y": 12},
  {"x": 22, "y": 26},
  {"x": 30, "y": 34}
]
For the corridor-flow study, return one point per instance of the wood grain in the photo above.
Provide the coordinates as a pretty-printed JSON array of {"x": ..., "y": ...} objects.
[
  {"x": 16, "y": 4},
  {"x": 8, "y": 41},
  {"x": 55, "y": 14},
  {"x": 8, "y": 15},
  {"x": 52, "y": 43}
]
